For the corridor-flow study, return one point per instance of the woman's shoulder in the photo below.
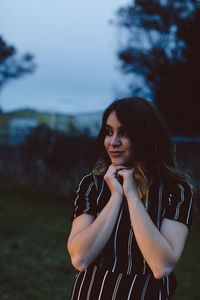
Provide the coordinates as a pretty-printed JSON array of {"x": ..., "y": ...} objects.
[
  {"x": 178, "y": 202},
  {"x": 177, "y": 184},
  {"x": 91, "y": 179},
  {"x": 98, "y": 180},
  {"x": 177, "y": 191}
]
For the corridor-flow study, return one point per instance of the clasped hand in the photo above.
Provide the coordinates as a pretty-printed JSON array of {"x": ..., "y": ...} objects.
[{"x": 120, "y": 180}]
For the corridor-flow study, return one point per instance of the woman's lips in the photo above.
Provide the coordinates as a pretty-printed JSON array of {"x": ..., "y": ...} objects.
[{"x": 116, "y": 153}]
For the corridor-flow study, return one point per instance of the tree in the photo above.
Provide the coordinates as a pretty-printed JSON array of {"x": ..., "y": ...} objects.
[
  {"x": 12, "y": 65},
  {"x": 162, "y": 48}
]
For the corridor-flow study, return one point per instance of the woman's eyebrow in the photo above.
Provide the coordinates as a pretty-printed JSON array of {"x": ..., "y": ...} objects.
[{"x": 107, "y": 126}]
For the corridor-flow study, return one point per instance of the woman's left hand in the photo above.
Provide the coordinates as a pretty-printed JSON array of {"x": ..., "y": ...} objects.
[{"x": 129, "y": 185}]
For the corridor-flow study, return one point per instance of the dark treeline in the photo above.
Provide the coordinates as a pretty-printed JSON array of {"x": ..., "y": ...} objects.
[
  {"x": 49, "y": 162},
  {"x": 59, "y": 151}
]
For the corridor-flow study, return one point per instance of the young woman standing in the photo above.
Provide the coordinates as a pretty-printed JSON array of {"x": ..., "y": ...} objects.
[{"x": 132, "y": 213}]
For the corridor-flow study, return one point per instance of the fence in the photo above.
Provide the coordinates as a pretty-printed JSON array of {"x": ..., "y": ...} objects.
[
  {"x": 18, "y": 167},
  {"x": 18, "y": 136}
]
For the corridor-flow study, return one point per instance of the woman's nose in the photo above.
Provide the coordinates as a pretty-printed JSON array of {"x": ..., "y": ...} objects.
[{"x": 115, "y": 141}]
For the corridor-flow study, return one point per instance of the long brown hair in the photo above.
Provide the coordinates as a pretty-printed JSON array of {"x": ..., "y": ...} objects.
[{"x": 154, "y": 150}]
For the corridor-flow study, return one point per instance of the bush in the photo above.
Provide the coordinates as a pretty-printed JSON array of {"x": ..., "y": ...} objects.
[{"x": 49, "y": 162}]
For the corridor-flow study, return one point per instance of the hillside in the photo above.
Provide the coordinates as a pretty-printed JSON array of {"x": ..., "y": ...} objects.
[{"x": 28, "y": 118}]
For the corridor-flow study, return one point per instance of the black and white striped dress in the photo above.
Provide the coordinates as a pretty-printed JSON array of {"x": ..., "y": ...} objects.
[{"x": 120, "y": 271}]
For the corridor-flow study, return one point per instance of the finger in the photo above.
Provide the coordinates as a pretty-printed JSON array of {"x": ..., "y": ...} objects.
[
  {"x": 128, "y": 168},
  {"x": 121, "y": 168},
  {"x": 114, "y": 169},
  {"x": 125, "y": 173},
  {"x": 128, "y": 171}
]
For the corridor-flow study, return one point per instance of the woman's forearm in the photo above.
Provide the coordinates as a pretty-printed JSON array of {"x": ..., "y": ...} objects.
[
  {"x": 155, "y": 249},
  {"x": 85, "y": 246}
]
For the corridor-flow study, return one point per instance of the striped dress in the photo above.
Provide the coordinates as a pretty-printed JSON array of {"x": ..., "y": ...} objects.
[{"x": 120, "y": 271}]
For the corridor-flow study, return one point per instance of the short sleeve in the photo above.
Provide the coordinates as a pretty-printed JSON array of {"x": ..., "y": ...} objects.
[
  {"x": 179, "y": 204},
  {"x": 85, "y": 198}
]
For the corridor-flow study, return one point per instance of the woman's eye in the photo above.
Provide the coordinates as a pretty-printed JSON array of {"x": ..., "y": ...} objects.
[
  {"x": 109, "y": 132},
  {"x": 124, "y": 133}
]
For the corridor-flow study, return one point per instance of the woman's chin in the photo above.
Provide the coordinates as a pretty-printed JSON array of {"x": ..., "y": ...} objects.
[
  {"x": 118, "y": 162},
  {"x": 122, "y": 162}
]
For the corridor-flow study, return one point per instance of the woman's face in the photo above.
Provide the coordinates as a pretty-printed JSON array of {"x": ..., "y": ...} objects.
[{"x": 117, "y": 143}]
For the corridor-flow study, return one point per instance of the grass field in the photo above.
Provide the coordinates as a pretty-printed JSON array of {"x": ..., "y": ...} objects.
[{"x": 34, "y": 264}]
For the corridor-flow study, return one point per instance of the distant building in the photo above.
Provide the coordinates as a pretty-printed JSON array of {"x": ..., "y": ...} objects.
[
  {"x": 23, "y": 123},
  {"x": 88, "y": 122},
  {"x": 15, "y": 125}
]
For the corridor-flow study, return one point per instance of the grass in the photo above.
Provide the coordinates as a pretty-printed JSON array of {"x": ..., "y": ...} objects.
[
  {"x": 188, "y": 268},
  {"x": 34, "y": 264}
]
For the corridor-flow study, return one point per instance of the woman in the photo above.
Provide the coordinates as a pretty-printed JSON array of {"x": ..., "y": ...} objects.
[{"x": 132, "y": 213}]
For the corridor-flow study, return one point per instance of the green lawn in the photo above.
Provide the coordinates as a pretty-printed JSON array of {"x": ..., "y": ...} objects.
[{"x": 34, "y": 263}]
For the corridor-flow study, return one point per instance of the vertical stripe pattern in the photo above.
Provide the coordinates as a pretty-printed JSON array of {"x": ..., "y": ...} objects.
[
  {"x": 102, "y": 187},
  {"x": 145, "y": 287},
  {"x": 131, "y": 288},
  {"x": 120, "y": 272},
  {"x": 130, "y": 251},
  {"x": 115, "y": 241},
  {"x": 104, "y": 278},
  {"x": 79, "y": 294},
  {"x": 189, "y": 211},
  {"x": 116, "y": 286},
  {"x": 87, "y": 197},
  {"x": 180, "y": 203},
  {"x": 159, "y": 204},
  {"x": 91, "y": 282}
]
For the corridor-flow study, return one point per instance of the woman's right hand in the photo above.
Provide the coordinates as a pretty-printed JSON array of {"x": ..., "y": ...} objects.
[{"x": 112, "y": 181}]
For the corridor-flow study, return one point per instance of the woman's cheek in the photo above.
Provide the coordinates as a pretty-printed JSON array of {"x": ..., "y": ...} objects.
[{"x": 106, "y": 143}]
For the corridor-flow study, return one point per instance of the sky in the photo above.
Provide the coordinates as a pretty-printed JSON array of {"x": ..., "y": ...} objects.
[{"x": 75, "y": 49}]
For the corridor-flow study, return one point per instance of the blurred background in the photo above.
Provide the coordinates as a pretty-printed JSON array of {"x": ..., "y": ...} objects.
[{"x": 61, "y": 64}]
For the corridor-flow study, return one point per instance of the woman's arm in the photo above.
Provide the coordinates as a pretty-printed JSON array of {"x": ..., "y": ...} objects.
[
  {"x": 88, "y": 235},
  {"x": 161, "y": 249}
]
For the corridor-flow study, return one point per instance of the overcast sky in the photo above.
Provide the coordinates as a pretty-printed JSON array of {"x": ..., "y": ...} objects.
[{"x": 75, "y": 51}]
